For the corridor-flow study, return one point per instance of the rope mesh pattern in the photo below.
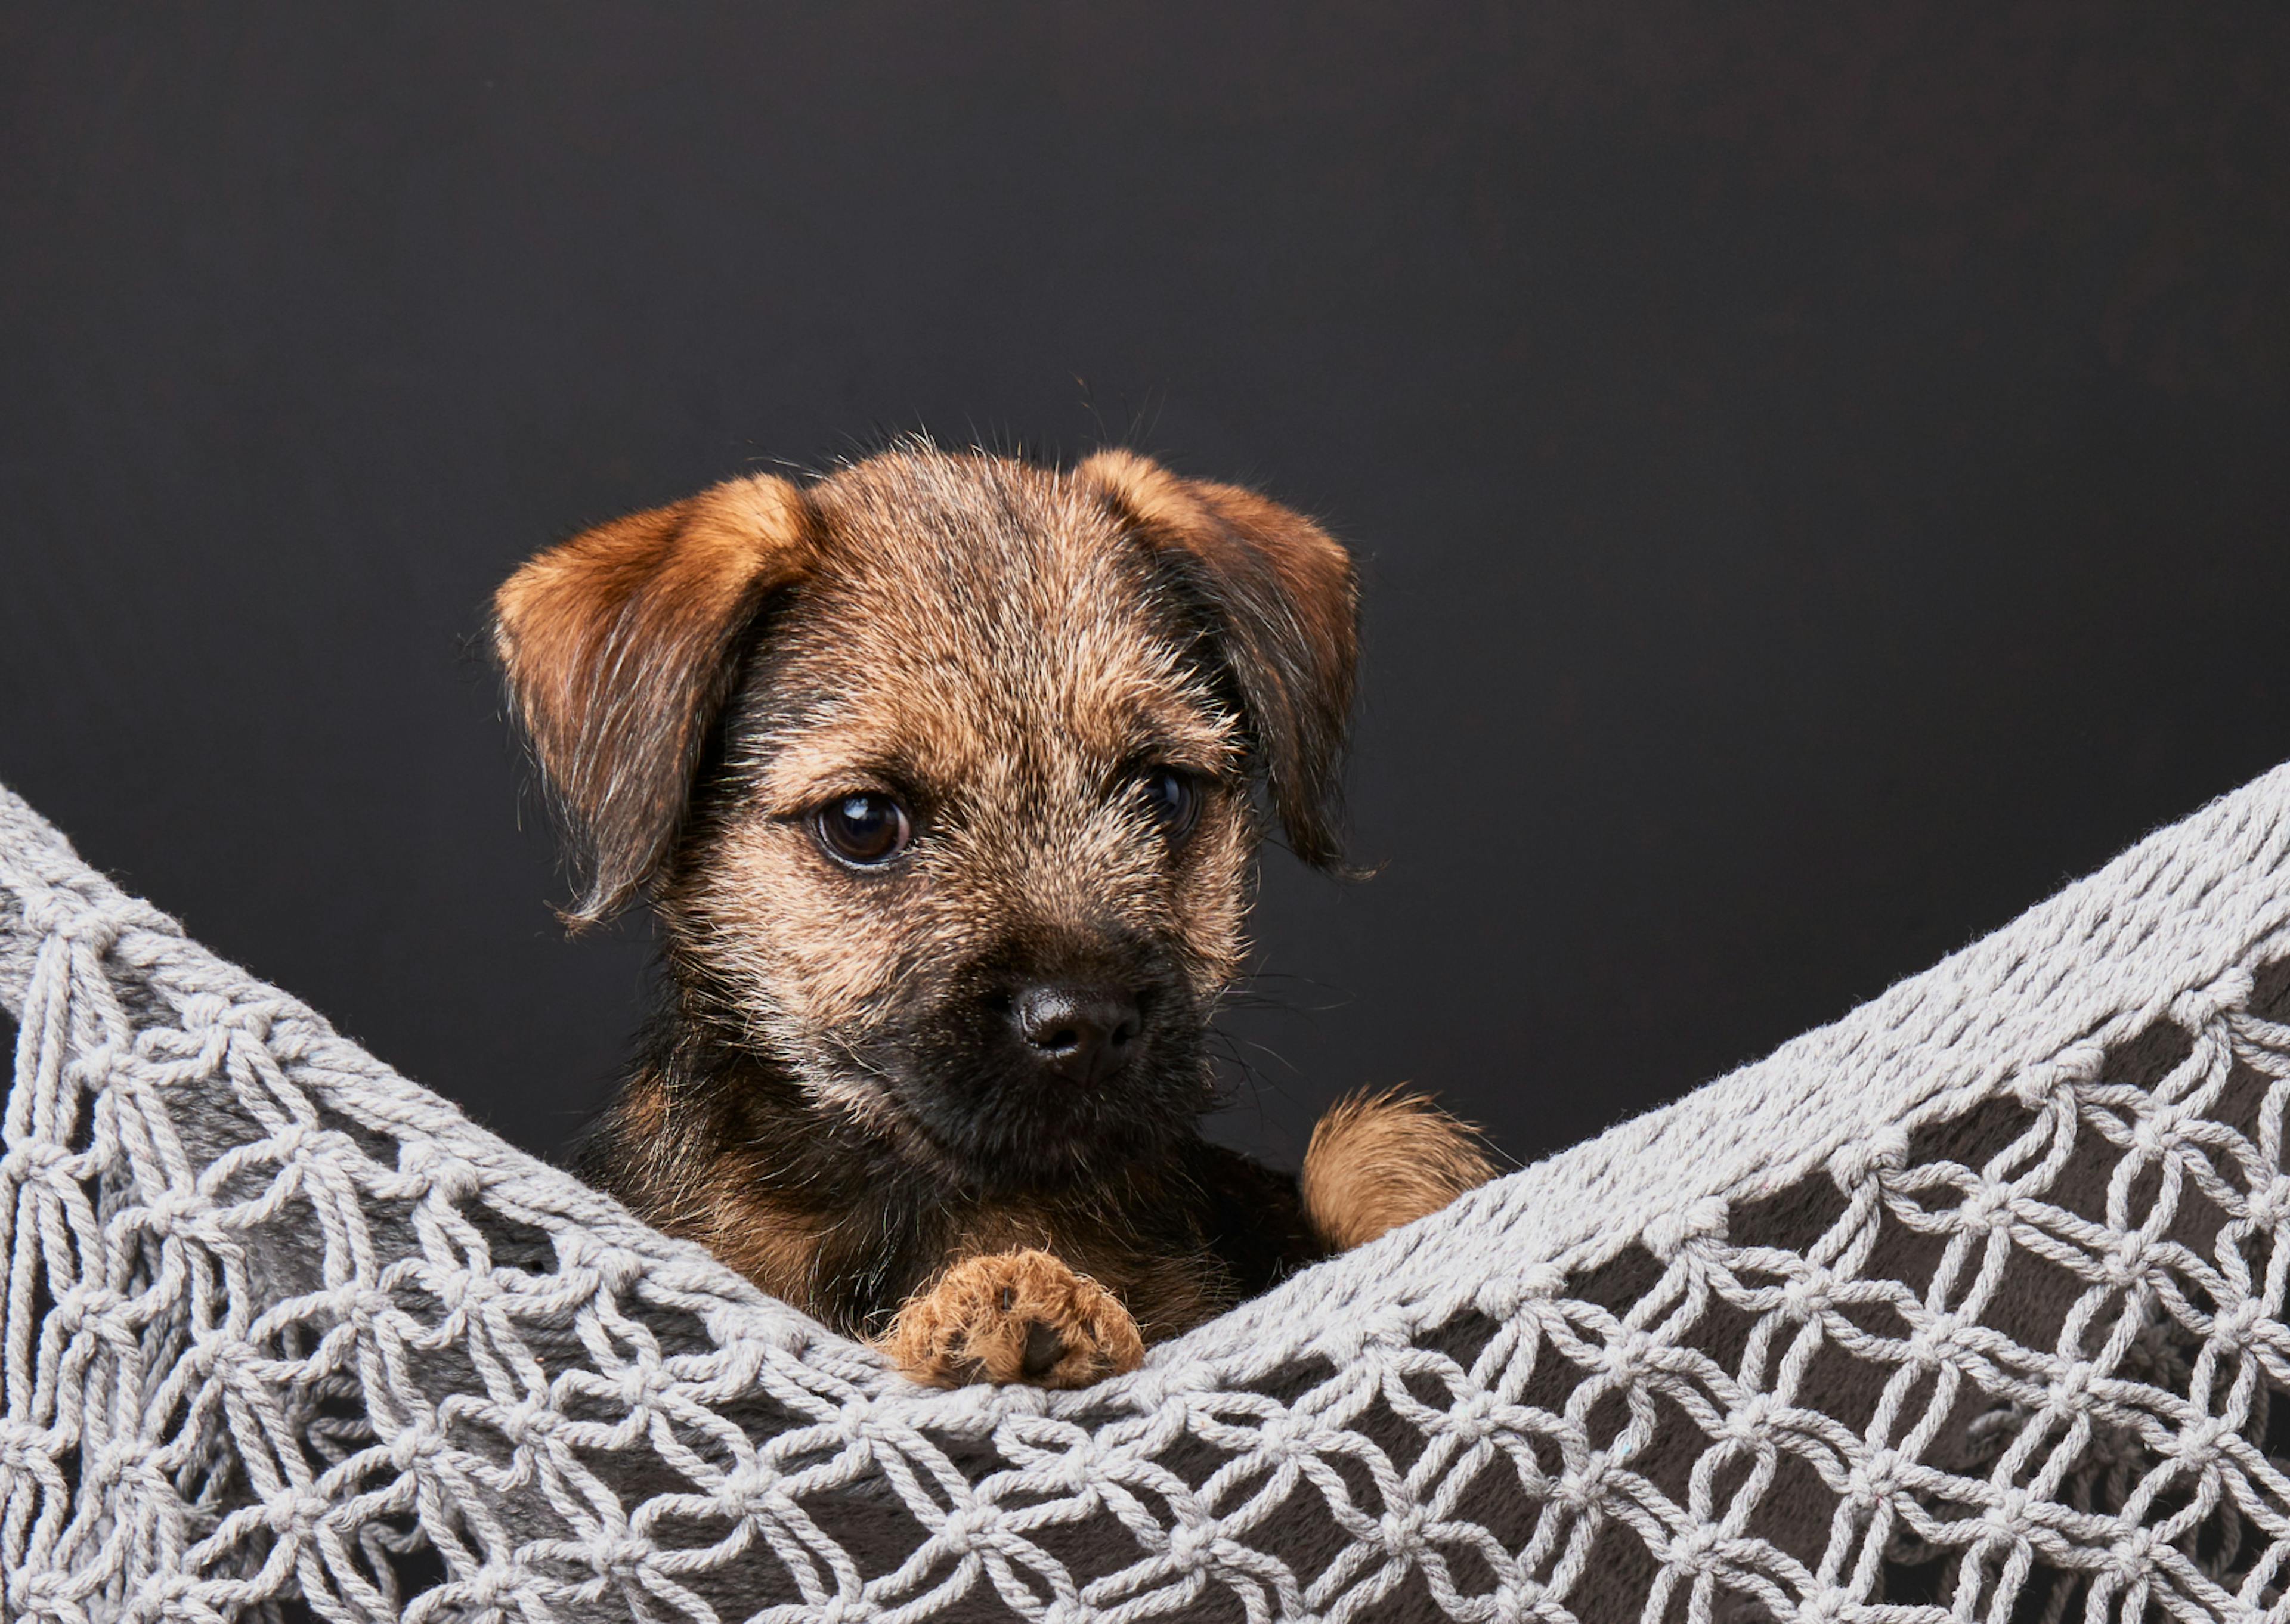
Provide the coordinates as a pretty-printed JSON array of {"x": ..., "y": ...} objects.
[{"x": 285, "y": 1336}]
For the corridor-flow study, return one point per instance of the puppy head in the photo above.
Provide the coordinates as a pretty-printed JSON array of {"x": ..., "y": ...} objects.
[{"x": 944, "y": 772}]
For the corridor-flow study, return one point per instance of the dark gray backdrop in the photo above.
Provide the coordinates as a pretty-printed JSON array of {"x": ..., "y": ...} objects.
[{"x": 1821, "y": 469}]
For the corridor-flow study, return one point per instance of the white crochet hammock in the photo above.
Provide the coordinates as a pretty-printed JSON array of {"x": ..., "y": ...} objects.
[{"x": 1967, "y": 1306}]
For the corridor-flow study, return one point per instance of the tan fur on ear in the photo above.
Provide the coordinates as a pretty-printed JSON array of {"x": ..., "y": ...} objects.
[
  {"x": 1284, "y": 603},
  {"x": 617, "y": 646},
  {"x": 1380, "y": 1160}
]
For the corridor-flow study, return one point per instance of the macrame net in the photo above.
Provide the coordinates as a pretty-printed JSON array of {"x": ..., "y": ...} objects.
[{"x": 1969, "y": 1306}]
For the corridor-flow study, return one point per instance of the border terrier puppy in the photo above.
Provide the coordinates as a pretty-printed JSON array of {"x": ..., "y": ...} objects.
[{"x": 943, "y": 774}]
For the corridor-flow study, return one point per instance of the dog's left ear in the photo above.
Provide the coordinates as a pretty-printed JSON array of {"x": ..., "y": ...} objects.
[
  {"x": 618, "y": 649},
  {"x": 1283, "y": 606}
]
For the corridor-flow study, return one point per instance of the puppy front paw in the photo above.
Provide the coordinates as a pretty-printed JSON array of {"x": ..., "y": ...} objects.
[
  {"x": 1013, "y": 1316},
  {"x": 1380, "y": 1160}
]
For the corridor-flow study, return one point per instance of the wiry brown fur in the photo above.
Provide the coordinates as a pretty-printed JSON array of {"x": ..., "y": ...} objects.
[
  {"x": 1383, "y": 1159},
  {"x": 617, "y": 649},
  {"x": 1005, "y": 649},
  {"x": 1021, "y": 1316}
]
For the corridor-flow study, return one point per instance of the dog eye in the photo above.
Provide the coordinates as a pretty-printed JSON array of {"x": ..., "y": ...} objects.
[
  {"x": 1172, "y": 800},
  {"x": 866, "y": 829}
]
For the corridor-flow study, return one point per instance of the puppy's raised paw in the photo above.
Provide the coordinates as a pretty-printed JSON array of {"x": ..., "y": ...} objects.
[
  {"x": 1383, "y": 1159},
  {"x": 1013, "y": 1316}
]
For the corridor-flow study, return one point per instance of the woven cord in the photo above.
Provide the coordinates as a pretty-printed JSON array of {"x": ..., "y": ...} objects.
[{"x": 1970, "y": 1305}]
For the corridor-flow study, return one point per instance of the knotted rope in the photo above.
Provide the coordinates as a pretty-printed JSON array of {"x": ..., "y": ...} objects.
[{"x": 1970, "y": 1305}]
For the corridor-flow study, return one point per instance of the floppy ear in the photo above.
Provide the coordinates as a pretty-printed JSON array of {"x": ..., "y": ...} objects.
[
  {"x": 1282, "y": 605},
  {"x": 618, "y": 648}
]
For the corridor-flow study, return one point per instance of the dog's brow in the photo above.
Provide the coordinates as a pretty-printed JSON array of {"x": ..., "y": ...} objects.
[
  {"x": 1188, "y": 730},
  {"x": 806, "y": 769},
  {"x": 1208, "y": 750}
]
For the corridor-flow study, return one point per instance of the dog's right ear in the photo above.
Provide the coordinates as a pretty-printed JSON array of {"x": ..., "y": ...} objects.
[{"x": 618, "y": 646}]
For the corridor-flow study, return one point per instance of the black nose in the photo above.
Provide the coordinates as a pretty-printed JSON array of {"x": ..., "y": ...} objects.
[{"x": 1082, "y": 1034}]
